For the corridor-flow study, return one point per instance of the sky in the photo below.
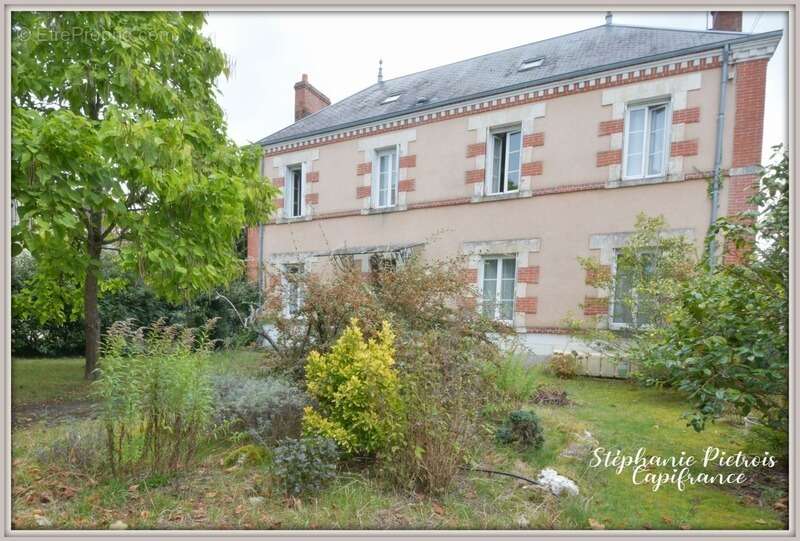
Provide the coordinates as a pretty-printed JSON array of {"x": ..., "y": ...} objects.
[{"x": 269, "y": 52}]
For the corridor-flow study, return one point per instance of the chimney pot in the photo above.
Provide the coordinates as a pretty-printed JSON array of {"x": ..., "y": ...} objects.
[
  {"x": 307, "y": 99},
  {"x": 728, "y": 21}
]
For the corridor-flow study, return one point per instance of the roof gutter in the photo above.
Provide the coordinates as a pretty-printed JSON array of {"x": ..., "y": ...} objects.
[
  {"x": 528, "y": 84},
  {"x": 716, "y": 182}
]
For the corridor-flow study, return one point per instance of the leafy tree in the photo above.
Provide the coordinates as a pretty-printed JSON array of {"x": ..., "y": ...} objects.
[
  {"x": 118, "y": 143},
  {"x": 727, "y": 345}
]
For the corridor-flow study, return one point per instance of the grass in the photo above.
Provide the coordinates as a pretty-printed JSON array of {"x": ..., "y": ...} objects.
[
  {"x": 60, "y": 379},
  {"x": 213, "y": 496}
]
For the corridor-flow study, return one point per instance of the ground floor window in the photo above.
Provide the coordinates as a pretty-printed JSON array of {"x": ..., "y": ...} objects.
[
  {"x": 293, "y": 289},
  {"x": 499, "y": 285},
  {"x": 632, "y": 306}
]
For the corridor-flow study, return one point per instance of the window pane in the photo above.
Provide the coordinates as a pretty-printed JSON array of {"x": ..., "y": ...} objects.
[
  {"x": 393, "y": 177},
  {"x": 622, "y": 295},
  {"x": 489, "y": 286},
  {"x": 655, "y": 159},
  {"x": 507, "y": 289},
  {"x": 297, "y": 189},
  {"x": 514, "y": 153},
  {"x": 498, "y": 151},
  {"x": 635, "y": 144}
]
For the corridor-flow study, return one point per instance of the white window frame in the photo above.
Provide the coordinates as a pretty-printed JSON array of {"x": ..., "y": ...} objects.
[
  {"x": 288, "y": 190},
  {"x": 394, "y": 181},
  {"x": 646, "y": 106},
  {"x": 617, "y": 325},
  {"x": 498, "y": 289},
  {"x": 506, "y": 131},
  {"x": 289, "y": 309}
]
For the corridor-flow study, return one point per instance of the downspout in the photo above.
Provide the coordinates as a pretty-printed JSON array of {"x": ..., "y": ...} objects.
[{"x": 715, "y": 186}]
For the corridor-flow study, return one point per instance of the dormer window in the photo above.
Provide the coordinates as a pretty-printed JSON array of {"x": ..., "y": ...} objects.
[
  {"x": 531, "y": 63},
  {"x": 391, "y": 98}
]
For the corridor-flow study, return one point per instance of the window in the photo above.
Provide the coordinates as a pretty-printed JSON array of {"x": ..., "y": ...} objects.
[
  {"x": 530, "y": 63},
  {"x": 506, "y": 152},
  {"x": 385, "y": 178},
  {"x": 391, "y": 98},
  {"x": 292, "y": 275},
  {"x": 293, "y": 192},
  {"x": 630, "y": 307},
  {"x": 646, "y": 140},
  {"x": 499, "y": 285}
]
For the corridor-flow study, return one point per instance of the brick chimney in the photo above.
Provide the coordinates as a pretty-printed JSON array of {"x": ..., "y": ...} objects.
[
  {"x": 307, "y": 99},
  {"x": 729, "y": 21}
]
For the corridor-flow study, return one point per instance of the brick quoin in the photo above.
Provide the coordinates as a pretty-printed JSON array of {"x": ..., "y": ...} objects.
[
  {"x": 252, "y": 253},
  {"x": 609, "y": 157},
  {"x": 408, "y": 161},
  {"x": 592, "y": 277},
  {"x": 607, "y": 127},
  {"x": 683, "y": 148},
  {"x": 532, "y": 169},
  {"x": 312, "y": 198},
  {"x": 527, "y": 305},
  {"x": 279, "y": 203},
  {"x": 477, "y": 149},
  {"x": 408, "y": 185},
  {"x": 312, "y": 176},
  {"x": 471, "y": 276},
  {"x": 533, "y": 139},
  {"x": 363, "y": 191},
  {"x": 748, "y": 126},
  {"x": 278, "y": 182},
  {"x": 528, "y": 275},
  {"x": 476, "y": 175},
  {"x": 595, "y": 306},
  {"x": 364, "y": 168},
  {"x": 686, "y": 116}
]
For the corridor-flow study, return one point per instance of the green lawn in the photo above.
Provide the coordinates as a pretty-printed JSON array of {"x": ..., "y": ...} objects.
[
  {"x": 617, "y": 413},
  {"x": 38, "y": 380}
]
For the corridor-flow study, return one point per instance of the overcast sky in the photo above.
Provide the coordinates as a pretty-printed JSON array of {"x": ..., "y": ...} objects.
[{"x": 340, "y": 51}]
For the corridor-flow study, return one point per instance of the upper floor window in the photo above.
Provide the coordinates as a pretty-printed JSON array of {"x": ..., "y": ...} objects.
[
  {"x": 385, "y": 178},
  {"x": 506, "y": 154},
  {"x": 631, "y": 305},
  {"x": 646, "y": 140},
  {"x": 498, "y": 287},
  {"x": 293, "y": 291},
  {"x": 293, "y": 191}
]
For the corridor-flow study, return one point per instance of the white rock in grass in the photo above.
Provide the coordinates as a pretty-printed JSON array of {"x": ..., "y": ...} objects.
[
  {"x": 118, "y": 525},
  {"x": 556, "y": 483},
  {"x": 256, "y": 500},
  {"x": 43, "y": 522}
]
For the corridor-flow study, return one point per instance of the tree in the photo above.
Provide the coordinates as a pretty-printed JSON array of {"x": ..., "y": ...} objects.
[{"x": 118, "y": 143}]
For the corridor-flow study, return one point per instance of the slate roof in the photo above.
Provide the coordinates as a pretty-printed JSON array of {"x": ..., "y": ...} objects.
[{"x": 592, "y": 50}]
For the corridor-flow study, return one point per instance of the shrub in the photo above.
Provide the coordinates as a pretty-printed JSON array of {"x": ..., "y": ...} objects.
[
  {"x": 513, "y": 377},
  {"x": 267, "y": 410},
  {"x": 82, "y": 449},
  {"x": 357, "y": 390},
  {"x": 444, "y": 391},
  {"x": 565, "y": 365},
  {"x": 155, "y": 394},
  {"x": 304, "y": 465},
  {"x": 415, "y": 298},
  {"x": 522, "y": 427}
]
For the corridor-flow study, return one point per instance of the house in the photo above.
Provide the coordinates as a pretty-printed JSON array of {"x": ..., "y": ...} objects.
[{"x": 523, "y": 160}]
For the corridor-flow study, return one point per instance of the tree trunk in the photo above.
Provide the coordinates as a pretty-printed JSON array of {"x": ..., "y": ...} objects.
[{"x": 91, "y": 311}]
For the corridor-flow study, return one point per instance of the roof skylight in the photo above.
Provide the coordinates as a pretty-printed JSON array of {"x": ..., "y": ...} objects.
[
  {"x": 391, "y": 98},
  {"x": 531, "y": 63}
]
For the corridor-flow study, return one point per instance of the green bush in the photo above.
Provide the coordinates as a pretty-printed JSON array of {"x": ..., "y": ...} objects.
[
  {"x": 304, "y": 465},
  {"x": 564, "y": 365},
  {"x": 266, "y": 409},
  {"x": 522, "y": 427},
  {"x": 155, "y": 395},
  {"x": 513, "y": 377},
  {"x": 357, "y": 392}
]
